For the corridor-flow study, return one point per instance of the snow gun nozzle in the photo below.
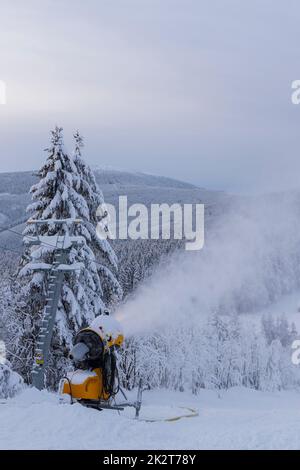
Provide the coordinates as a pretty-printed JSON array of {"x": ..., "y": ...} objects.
[{"x": 79, "y": 352}]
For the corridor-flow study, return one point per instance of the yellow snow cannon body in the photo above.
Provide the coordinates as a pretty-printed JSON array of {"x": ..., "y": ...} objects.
[
  {"x": 94, "y": 382},
  {"x": 85, "y": 385}
]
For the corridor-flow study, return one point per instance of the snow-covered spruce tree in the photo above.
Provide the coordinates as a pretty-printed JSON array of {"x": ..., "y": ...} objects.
[
  {"x": 87, "y": 187},
  {"x": 57, "y": 196}
]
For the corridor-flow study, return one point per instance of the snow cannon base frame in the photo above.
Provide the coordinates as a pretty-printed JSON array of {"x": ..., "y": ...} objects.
[
  {"x": 90, "y": 392},
  {"x": 102, "y": 405}
]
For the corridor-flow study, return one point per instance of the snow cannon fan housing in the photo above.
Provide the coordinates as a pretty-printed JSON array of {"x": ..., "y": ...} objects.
[{"x": 93, "y": 356}]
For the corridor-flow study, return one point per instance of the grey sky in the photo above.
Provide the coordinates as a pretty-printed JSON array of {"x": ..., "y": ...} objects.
[{"x": 194, "y": 89}]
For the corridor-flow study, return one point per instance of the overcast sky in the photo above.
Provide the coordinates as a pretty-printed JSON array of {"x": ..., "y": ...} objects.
[{"x": 194, "y": 89}]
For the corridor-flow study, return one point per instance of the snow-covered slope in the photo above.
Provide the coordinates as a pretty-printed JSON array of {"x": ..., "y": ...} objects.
[{"x": 236, "y": 419}]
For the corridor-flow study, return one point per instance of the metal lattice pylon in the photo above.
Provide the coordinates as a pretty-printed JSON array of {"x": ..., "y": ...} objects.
[{"x": 62, "y": 244}]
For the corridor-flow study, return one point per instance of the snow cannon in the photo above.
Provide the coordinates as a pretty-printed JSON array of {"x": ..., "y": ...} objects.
[
  {"x": 94, "y": 381},
  {"x": 94, "y": 360}
]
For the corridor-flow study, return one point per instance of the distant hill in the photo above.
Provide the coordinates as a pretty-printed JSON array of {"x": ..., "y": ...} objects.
[
  {"x": 139, "y": 188},
  {"x": 20, "y": 182},
  {"x": 108, "y": 177}
]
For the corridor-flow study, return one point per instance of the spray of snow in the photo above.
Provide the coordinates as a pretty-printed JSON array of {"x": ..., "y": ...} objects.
[{"x": 249, "y": 260}]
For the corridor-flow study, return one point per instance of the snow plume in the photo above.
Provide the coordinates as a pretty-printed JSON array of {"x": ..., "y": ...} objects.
[{"x": 251, "y": 257}]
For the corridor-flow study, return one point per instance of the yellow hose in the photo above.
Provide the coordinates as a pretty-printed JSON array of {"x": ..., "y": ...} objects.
[{"x": 192, "y": 413}]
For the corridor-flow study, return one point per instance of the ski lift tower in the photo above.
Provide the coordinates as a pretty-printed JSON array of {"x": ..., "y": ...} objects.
[{"x": 62, "y": 242}]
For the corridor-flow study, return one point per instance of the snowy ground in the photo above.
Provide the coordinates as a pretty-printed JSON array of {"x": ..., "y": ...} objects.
[{"x": 237, "y": 419}]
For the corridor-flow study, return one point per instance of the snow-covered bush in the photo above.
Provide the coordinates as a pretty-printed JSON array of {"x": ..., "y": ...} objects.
[{"x": 10, "y": 382}]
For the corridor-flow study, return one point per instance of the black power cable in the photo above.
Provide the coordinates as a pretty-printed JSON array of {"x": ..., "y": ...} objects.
[
  {"x": 69, "y": 382},
  {"x": 110, "y": 374}
]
